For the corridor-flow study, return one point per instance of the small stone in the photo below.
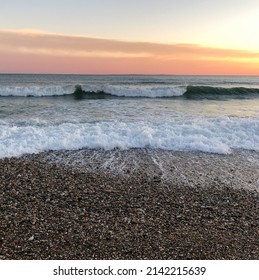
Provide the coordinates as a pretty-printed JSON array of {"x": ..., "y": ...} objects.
[
  {"x": 157, "y": 179},
  {"x": 31, "y": 238}
]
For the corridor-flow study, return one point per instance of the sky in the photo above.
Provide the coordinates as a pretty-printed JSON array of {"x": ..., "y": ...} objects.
[{"x": 130, "y": 37}]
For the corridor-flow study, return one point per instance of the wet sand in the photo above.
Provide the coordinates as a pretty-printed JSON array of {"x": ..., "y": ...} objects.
[{"x": 133, "y": 204}]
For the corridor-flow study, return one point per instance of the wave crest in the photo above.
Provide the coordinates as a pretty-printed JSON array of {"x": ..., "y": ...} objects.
[
  {"x": 37, "y": 91},
  {"x": 108, "y": 91},
  {"x": 208, "y": 92}
]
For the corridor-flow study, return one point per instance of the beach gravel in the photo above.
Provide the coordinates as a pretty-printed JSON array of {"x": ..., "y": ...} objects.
[{"x": 51, "y": 211}]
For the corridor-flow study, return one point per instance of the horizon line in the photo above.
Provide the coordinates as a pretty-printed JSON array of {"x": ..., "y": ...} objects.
[{"x": 129, "y": 74}]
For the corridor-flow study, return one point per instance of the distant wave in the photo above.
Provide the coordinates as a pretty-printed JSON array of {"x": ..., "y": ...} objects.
[
  {"x": 208, "y": 92},
  {"x": 36, "y": 91},
  {"x": 112, "y": 91}
]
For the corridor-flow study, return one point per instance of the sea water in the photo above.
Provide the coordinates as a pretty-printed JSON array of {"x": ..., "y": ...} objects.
[{"x": 214, "y": 114}]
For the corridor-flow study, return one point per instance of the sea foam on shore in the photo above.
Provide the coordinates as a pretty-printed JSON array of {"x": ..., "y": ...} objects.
[{"x": 239, "y": 169}]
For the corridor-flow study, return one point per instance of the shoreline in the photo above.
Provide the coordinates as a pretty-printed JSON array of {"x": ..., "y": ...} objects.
[{"x": 132, "y": 204}]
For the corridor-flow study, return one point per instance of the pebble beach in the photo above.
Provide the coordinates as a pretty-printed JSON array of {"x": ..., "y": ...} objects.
[{"x": 131, "y": 204}]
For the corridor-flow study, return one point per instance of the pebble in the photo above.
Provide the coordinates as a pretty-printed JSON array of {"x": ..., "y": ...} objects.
[
  {"x": 31, "y": 238},
  {"x": 79, "y": 214}
]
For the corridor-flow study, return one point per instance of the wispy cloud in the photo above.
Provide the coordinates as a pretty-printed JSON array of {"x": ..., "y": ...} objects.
[{"x": 34, "y": 43}]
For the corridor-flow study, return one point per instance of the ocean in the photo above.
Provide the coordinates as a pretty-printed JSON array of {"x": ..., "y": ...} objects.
[{"x": 212, "y": 114}]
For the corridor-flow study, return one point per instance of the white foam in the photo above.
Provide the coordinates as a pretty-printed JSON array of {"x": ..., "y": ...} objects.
[
  {"x": 130, "y": 91},
  {"x": 138, "y": 91},
  {"x": 215, "y": 135},
  {"x": 23, "y": 91}
]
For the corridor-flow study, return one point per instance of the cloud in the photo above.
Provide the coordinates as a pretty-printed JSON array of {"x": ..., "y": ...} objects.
[
  {"x": 65, "y": 45},
  {"x": 162, "y": 58}
]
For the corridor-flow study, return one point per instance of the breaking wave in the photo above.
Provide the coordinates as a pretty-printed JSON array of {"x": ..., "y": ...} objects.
[
  {"x": 112, "y": 91},
  {"x": 214, "y": 135}
]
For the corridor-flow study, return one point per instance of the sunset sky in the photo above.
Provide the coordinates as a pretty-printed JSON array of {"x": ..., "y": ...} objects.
[{"x": 130, "y": 36}]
